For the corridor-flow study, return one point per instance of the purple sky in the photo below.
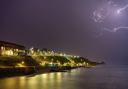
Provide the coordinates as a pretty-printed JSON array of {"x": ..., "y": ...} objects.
[{"x": 64, "y": 25}]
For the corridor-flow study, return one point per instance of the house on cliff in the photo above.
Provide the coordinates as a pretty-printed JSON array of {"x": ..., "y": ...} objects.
[{"x": 11, "y": 49}]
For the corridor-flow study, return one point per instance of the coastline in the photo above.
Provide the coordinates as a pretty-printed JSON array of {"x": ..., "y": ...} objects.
[{"x": 17, "y": 72}]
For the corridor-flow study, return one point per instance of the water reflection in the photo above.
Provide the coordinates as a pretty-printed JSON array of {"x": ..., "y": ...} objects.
[
  {"x": 42, "y": 81},
  {"x": 95, "y": 78}
]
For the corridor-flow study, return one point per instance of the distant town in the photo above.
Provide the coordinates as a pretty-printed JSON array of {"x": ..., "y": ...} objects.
[{"x": 16, "y": 59}]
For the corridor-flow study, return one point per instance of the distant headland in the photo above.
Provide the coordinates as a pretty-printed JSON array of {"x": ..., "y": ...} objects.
[{"x": 16, "y": 60}]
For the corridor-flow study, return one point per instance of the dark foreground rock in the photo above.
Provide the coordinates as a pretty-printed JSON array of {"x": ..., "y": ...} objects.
[{"x": 10, "y": 72}]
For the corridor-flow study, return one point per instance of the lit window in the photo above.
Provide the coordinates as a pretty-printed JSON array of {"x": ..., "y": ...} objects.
[
  {"x": 16, "y": 49},
  {"x": 9, "y": 52},
  {"x": 2, "y": 48}
]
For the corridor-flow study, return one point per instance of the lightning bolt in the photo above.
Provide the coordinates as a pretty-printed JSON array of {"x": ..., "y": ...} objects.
[
  {"x": 100, "y": 16},
  {"x": 116, "y": 29},
  {"x": 120, "y": 28},
  {"x": 122, "y": 9}
]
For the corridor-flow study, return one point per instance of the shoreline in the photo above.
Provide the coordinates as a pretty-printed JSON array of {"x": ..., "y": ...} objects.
[{"x": 13, "y": 72}]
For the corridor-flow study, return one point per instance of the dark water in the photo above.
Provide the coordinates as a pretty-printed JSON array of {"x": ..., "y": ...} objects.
[{"x": 100, "y": 77}]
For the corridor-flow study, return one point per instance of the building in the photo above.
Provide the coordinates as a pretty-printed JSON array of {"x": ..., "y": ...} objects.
[{"x": 11, "y": 49}]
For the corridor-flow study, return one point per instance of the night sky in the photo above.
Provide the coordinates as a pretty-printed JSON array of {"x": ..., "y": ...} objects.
[{"x": 63, "y": 25}]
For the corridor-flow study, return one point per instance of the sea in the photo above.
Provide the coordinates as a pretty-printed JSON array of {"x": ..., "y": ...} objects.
[{"x": 99, "y": 77}]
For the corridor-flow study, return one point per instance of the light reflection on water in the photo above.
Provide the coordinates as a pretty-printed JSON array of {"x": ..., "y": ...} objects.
[
  {"x": 94, "y": 78},
  {"x": 42, "y": 81}
]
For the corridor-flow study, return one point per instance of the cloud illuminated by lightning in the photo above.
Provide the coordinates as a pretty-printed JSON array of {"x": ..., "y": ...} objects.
[{"x": 100, "y": 15}]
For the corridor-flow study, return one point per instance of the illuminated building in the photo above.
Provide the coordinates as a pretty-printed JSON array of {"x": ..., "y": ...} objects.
[{"x": 11, "y": 49}]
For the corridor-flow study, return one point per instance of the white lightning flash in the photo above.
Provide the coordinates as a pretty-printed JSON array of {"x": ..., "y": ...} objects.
[
  {"x": 116, "y": 29},
  {"x": 120, "y": 28},
  {"x": 122, "y": 9},
  {"x": 107, "y": 12}
]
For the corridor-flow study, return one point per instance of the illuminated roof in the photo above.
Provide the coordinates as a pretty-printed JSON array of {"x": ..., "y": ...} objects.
[{"x": 11, "y": 45}]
